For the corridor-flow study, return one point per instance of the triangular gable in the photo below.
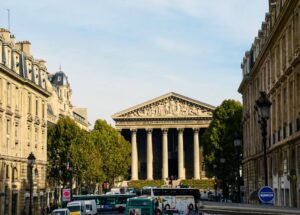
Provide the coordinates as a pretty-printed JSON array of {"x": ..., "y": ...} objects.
[{"x": 167, "y": 106}]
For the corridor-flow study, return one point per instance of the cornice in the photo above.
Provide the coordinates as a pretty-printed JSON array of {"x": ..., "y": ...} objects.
[
  {"x": 24, "y": 81},
  {"x": 161, "y": 119}
]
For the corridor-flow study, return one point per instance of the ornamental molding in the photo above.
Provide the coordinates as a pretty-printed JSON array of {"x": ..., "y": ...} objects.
[{"x": 168, "y": 106}]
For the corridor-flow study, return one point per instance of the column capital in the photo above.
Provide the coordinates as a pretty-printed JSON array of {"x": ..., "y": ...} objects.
[
  {"x": 180, "y": 130},
  {"x": 196, "y": 130},
  {"x": 133, "y": 130},
  {"x": 164, "y": 130},
  {"x": 149, "y": 130}
]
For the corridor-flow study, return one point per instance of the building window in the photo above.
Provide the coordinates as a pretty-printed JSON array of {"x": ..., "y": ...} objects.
[
  {"x": 29, "y": 103},
  {"x": 29, "y": 135},
  {"x": 17, "y": 98},
  {"x": 16, "y": 130},
  {"x": 8, "y": 129},
  {"x": 43, "y": 110},
  {"x": 8, "y": 97},
  {"x": 36, "y": 107},
  {"x": 7, "y": 171}
]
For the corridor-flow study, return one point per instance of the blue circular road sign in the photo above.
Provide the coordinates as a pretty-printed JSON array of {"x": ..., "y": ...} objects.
[{"x": 266, "y": 194}]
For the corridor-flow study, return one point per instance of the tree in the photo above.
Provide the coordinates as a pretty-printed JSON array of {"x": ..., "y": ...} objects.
[
  {"x": 114, "y": 150},
  {"x": 71, "y": 154},
  {"x": 218, "y": 140},
  {"x": 60, "y": 138},
  {"x": 86, "y": 162}
]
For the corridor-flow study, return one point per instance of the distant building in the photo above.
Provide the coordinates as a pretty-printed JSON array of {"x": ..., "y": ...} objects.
[
  {"x": 166, "y": 137},
  {"x": 23, "y": 125},
  {"x": 272, "y": 65},
  {"x": 59, "y": 103}
]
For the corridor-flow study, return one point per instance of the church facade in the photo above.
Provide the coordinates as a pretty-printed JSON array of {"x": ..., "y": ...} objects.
[{"x": 165, "y": 135}]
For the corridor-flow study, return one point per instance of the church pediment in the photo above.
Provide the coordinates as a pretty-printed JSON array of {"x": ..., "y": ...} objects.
[{"x": 167, "y": 106}]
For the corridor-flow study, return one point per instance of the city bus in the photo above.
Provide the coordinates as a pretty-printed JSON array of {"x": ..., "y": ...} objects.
[
  {"x": 142, "y": 205},
  {"x": 115, "y": 202},
  {"x": 173, "y": 200}
]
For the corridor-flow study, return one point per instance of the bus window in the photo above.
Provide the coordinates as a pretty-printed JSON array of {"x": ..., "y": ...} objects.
[
  {"x": 121, "y": 200},
  {"x": 110, "y": 201}
]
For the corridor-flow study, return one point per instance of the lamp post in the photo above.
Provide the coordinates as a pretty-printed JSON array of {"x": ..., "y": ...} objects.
[
  {"x": 30, "y": 161},
  {"x": 237, "y": 144},
  {"x": 215, "y": 182},
  {"x": 263, "y": 106},
  {"x": 222, "y": 161}
]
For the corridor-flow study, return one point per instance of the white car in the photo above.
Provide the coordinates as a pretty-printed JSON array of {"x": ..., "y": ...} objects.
[{"x": 61, "y": 211}]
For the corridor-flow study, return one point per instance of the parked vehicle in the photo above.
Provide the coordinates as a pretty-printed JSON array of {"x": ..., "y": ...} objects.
[
  {"x": 61, "y": 211},
  {"x": 142, "y": 205},
  {"x": 116, "y": 202},
  {"x": 91, "y": 207},
  {"x": 77, "y": 208}
]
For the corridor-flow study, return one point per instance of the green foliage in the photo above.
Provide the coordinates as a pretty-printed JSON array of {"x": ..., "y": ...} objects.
[
  {"x": 114, "y": 151},
  {"x": 218, "y": 140},
  {"x": 199, "y": 183},
  {"x": 145, "y": 183},
  {"x": 69, "y": 145}
]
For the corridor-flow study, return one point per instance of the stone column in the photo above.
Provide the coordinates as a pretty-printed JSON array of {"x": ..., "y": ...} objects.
[
  {"x": 165, "y": 159},
  {"x": 181, "y": 173},
  {"x": 196, "y": 154},
  {"x": 149, "y": 155},
  {"x": 134, "y": 156}
]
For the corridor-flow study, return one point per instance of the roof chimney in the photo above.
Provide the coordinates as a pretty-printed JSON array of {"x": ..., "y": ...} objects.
[
  {"x": 6, "y": 34},
  {"x": 24, "y": 46}
]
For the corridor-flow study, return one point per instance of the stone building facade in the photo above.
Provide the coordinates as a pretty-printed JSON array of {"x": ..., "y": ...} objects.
[
  {"x": 23, "y": 125},
  {"x": 165, "y": 135},
  {"x": 59, "y": 103},
  {"x": 272, "y": 65}
]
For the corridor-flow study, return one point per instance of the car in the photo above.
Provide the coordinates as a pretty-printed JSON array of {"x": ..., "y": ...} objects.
[{"x": 61, "y": 211}]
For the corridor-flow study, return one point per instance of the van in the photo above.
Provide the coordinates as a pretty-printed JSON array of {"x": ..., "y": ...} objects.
[
  {"x": 76, "y": 208},
  {"x": 91, "y": 208},
  {"x": 61, "y": 211}
]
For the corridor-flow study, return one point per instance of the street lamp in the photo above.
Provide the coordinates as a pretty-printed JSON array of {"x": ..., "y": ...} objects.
[
  {"x": 215, "y": 182},
  {"x": 237, "y": 144},
  {"x": 263, "y": 106},
  {"x": 222, "y": 161},
  {"x": 30, "y": 162}
]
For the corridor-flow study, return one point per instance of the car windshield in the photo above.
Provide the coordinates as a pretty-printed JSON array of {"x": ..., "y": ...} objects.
[
  {"x": 88, "y": 207},
  {"x": 59, "y": 213},
  {"x": 74, "y": 208}
]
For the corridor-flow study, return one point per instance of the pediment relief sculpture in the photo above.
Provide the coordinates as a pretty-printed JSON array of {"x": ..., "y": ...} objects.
[{"x": 169, "y": 107}]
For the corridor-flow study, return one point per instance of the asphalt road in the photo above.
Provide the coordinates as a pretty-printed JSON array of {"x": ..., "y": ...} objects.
[{"x": 112, "y": 213}]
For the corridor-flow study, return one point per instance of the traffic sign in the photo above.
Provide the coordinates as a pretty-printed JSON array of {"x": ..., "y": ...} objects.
[
  {"x": 266, "y": 194},
  {"x": 66, "y": 195}
]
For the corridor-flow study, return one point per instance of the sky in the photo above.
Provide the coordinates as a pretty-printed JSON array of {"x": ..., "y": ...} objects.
[{"x": 120, "y": 53}]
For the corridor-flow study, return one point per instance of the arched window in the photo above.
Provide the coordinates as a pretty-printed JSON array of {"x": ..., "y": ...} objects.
[{"x": 14, "y": 174}]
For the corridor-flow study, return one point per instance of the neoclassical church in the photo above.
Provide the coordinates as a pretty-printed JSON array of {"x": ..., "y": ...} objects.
[{"x": 165, "y": 135}]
